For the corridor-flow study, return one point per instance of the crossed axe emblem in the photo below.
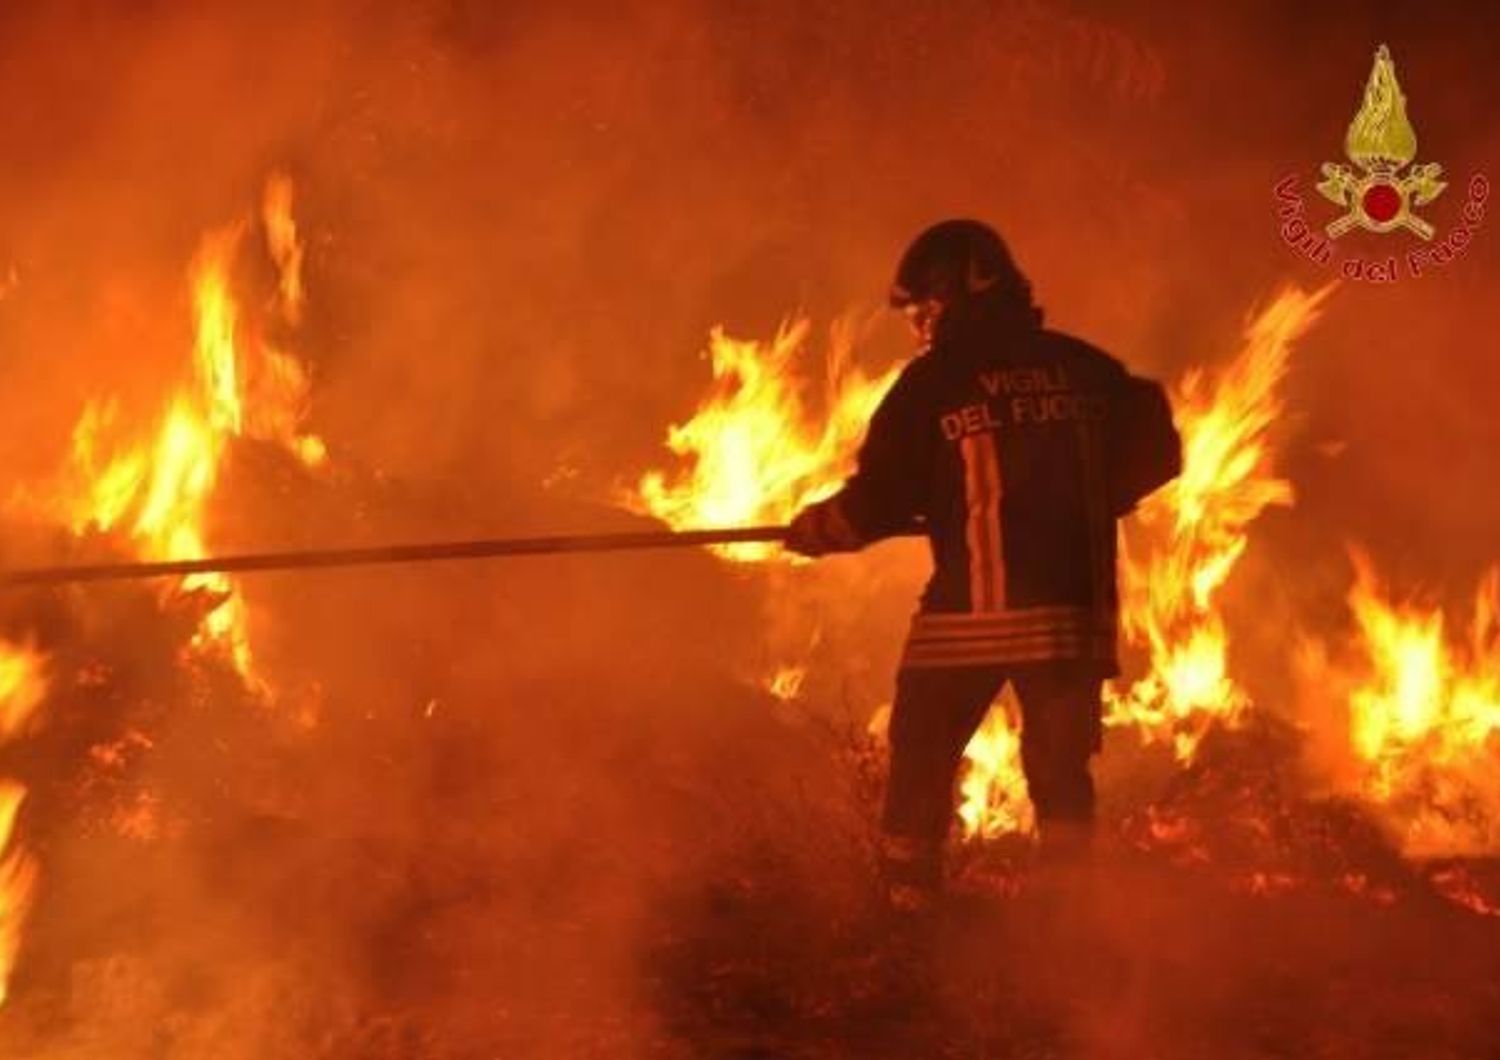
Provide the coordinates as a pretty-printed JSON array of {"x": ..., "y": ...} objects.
[{"x": 1349, "y": 189}]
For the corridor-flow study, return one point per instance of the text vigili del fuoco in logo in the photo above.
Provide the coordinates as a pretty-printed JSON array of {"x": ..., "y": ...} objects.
[{"x": 1383, "y": 192}]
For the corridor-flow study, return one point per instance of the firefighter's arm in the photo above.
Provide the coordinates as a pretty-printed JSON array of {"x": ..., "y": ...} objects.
[
  {"x": 1147, "y": 450},
  {"x": 883, "y": 496}
]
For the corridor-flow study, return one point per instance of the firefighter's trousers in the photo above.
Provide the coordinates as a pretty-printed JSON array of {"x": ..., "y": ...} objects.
[{"x": 937, "y": 711}]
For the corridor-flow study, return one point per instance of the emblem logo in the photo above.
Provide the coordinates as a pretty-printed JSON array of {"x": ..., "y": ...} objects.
[
  {"x": 1381, "y": 142},
  {"x": 1380, "y": 191}
]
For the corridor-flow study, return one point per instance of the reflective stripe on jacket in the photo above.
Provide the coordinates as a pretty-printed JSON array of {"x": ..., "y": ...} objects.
[{"x": 1019, "y": 449}]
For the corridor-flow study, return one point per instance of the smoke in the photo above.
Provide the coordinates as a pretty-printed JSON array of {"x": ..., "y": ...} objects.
[{"x": 530, "y": 809}]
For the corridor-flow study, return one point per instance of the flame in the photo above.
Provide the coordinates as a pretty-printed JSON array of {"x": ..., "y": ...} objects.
[
  {"x": 992, "y": 794},
  {"x": 284, "y": 246},
  {"x": 156, "y": 486},
  {"x": 1198, "y": 526},
  {"x": 786, "y": 683},
  {"x": 757, "y": 455},
  {"x": 23, "y": 685},
  {"x": 757, "y": 451},
  {"x": 1381, "y": 136},
  {"x": 153, "y": 483},
  {"x": 17, "y": 883},
  {"x": 1424, "y": 717},
  {"x": 993, "y": 801}
]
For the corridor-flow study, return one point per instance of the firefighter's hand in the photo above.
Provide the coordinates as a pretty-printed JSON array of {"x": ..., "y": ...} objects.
[{"x": 820, "y": 529}]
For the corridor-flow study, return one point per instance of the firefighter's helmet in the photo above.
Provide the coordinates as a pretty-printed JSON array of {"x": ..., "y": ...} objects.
[
  {"x": 956, "y": 276},
  {"x": 952, "y": 262}
]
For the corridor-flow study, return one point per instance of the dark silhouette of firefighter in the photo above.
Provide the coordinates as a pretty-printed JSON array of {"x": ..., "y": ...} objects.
[{"x": 1018, "y": 448}]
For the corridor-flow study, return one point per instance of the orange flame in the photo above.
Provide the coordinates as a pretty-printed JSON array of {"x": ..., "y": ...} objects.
[
  {"x": 757, "y": 452},
  {"x": 1199, "y": 529},
  {"x": 757, "y": 456},
  {"x": 157, "y": 488},
  {"x": 23, "y": 685},
  {"x": 17, "y": 884},
  {"x": 992, "y": 794},
  {"x": 1424, "y": 717},
  {"x": 154, "y": 483},
  {"x": 285, "y": 247},
  {"x": 786, "y": 683}
]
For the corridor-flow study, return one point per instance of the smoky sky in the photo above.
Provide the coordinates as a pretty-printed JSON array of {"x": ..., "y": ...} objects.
[{"x": 522, "y": 220}]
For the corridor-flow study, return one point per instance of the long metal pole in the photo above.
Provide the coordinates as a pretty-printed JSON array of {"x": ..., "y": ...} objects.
[{"x": 357, "y": 557}]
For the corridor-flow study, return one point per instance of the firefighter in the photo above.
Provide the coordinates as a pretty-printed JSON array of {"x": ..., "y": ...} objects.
[{"x": 1017, "y": 448}]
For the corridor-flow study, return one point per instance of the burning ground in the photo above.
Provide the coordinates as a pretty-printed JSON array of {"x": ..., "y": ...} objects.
[{"x": 336, "y": 274}]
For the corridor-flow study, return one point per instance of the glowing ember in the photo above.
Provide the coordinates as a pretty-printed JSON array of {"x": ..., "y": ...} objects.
[
  {"x": 1457, "y": 884},
  {"x": 1424, "y": 716},
  {"x": 1198, "y": 528},
  {"x": 757, "y": 450},
  {"x": 1267, "y": 884},
  {"x": 786, "y": 683},
  {"x": 1359, "y": 885}
]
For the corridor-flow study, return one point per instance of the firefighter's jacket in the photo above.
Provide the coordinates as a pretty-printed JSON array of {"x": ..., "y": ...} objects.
[{"x": 1019, "y": 450}]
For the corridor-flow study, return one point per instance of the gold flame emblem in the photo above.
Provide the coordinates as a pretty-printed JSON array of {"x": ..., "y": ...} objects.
[{"x": 1382, "y": 143}]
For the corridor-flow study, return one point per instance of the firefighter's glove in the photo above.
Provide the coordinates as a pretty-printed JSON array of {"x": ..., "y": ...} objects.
[{"x": 820, "y": 529}]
